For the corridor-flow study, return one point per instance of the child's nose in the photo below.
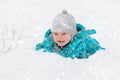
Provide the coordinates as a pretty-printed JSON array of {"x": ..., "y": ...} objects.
[{"x": 60, "y": 37}]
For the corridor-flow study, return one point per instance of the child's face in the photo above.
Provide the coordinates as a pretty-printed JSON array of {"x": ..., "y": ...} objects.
[{"x": 61, "y": 38}]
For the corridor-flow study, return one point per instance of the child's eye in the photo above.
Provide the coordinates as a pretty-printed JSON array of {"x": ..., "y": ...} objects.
[
  {"x": 55, "y": 33},
  {"x": 64, "y": 33}
]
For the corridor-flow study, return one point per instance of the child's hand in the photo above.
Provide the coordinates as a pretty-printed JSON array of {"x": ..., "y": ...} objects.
[{"x": 39, "y": 46}]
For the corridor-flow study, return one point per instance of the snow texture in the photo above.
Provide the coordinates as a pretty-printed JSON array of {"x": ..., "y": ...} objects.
[{"x": 23, "y": 24}]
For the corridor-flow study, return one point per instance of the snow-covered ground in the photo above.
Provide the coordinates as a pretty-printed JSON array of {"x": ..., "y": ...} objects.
[{"x": 23, "y": 24}]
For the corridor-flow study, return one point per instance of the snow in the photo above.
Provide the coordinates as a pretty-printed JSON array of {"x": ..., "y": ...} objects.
[{"x": 23, "y": 24}]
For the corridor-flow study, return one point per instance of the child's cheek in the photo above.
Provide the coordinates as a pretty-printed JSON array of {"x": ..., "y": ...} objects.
[{"x": 54, "y": 38}]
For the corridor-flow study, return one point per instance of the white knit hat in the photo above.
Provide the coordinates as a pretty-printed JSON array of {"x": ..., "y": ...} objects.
[{"x": 64, "y": 22}]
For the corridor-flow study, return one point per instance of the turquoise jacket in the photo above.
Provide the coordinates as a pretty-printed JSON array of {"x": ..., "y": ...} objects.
[{"x": 81, "y": 46}]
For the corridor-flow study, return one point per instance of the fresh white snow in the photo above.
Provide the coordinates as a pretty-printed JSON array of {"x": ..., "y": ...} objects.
[{"x": 23, "y": 24}]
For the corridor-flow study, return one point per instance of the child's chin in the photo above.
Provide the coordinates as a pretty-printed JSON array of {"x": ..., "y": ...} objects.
[{"x": 61, "y": 45}]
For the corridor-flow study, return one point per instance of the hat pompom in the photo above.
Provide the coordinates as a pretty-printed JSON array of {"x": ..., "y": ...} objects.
[{"x": 64, "y": 12}]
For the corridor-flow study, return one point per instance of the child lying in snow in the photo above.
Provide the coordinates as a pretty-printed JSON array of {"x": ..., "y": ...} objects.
[{"x": 69, "y": 39}]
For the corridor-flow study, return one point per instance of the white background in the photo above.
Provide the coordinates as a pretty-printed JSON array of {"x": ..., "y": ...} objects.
[{"x": 31, "y": 18}]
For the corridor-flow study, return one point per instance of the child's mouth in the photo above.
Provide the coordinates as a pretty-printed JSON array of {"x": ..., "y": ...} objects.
[{"x": 61, "y": 41}]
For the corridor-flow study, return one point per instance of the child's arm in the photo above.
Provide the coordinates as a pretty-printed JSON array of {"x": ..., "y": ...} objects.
[
  {"x": 46, "y": 44},
  {"x": 39, "y": 46}
]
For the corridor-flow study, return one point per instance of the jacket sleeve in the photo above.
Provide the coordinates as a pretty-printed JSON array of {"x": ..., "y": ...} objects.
[
  {"x": 39, "y": 46},
  {"x": 90, "y": 46},
  {"x": 46, "y": 44}
]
